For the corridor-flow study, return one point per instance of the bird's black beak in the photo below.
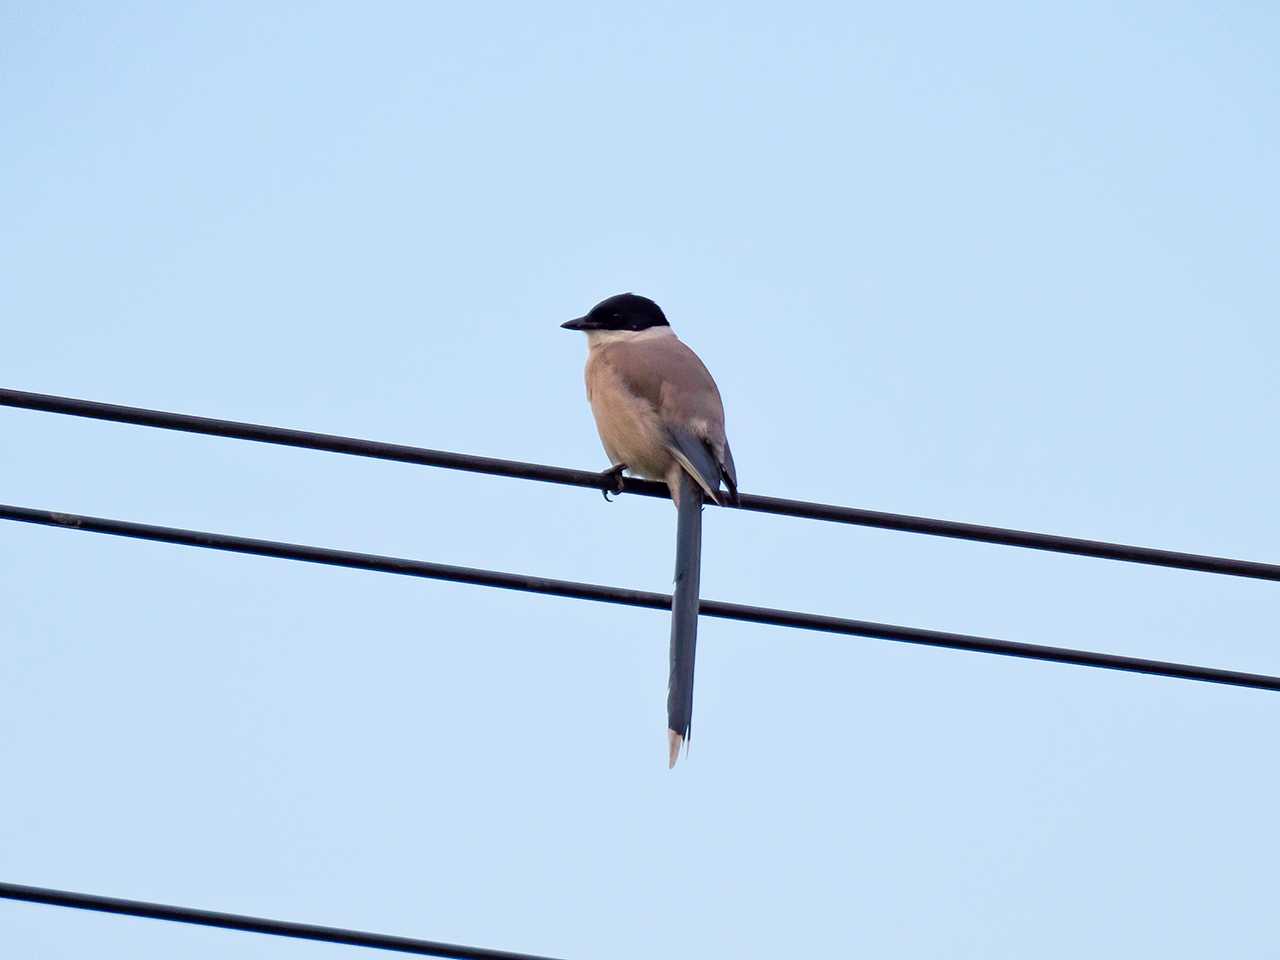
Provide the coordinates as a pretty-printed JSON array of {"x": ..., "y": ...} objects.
[{"x": 577, "y": 323}]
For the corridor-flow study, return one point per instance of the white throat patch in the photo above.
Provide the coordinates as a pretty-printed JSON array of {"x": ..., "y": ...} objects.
[{"x": 601, "y": 338}]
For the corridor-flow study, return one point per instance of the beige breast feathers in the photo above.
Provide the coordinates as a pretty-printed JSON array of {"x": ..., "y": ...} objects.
[{"x": 629, "y": 425}]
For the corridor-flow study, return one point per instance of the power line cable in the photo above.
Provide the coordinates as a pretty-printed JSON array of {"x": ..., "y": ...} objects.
[
  {"x": 633, "y": 598},
  {"x": 585, "y": 478},
  {"x": 247, "y": 924}
]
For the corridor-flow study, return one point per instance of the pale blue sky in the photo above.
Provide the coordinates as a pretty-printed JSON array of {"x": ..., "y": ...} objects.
[{"x": 998, "y": 263}]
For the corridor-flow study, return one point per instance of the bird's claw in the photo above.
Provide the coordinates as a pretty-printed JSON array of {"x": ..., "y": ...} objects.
[{"x": 614, "y": 475}]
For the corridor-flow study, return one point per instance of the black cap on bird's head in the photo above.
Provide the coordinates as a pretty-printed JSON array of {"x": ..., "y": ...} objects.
[{"x": 626, "y": 311}]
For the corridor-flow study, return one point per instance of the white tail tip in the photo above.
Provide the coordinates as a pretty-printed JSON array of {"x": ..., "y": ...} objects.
[{"x": 674, "y": 740}]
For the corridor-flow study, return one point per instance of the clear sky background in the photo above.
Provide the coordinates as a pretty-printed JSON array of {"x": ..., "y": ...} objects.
[{"x": 1003, "y": 263}]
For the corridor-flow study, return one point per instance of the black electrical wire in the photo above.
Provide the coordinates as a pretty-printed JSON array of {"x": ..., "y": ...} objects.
[
  {"x": 586, "y": 478},
  {"x": 634, "y": 598},
  {"x": 236, "y": 921}
]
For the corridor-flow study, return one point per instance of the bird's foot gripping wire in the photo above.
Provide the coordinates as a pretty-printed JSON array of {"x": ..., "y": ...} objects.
[{"x": 614, "y": 477}]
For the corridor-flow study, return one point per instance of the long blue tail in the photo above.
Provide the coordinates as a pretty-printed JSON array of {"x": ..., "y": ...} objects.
[{"x": 684, "y": 615}]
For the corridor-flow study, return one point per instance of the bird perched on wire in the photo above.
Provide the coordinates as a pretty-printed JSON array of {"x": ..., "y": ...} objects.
[{"x": 659, "y": 415}]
